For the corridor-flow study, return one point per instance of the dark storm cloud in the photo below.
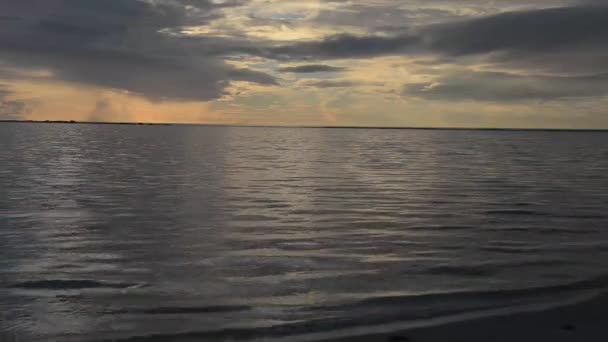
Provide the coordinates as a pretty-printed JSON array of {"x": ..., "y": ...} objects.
[
  {"x": 119, "y": 44},
  {"x": 312, "y": 68}
]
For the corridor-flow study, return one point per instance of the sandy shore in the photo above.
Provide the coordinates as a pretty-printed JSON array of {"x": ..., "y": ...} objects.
[{"x": 585, "y": 322}]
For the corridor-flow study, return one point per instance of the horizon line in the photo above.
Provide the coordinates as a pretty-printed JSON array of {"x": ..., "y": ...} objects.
[{"x": 305, "y": 126}]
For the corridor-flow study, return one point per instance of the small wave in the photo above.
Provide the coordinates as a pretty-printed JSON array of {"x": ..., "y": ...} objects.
[
  {"x": 523, "y": 212},
  {"x": 253, "y": 218},
  {"x": 442, "y": 227},
  {"x": 510, "y": 249},
  {"x": 544, "y": 230},
  {"x": 516, "y": 212},
  {"x": 600, "y": 282},
  {"x": 181, "y": 310},
  {"x": 258, "y": 334},
  {"x": 397, "y": 310},
  {"x": 581, "y": 216},
  {"x": 56, "y": 284},
  {"x": 465, "y": 270},
  {"x": 490, "y": 268}
]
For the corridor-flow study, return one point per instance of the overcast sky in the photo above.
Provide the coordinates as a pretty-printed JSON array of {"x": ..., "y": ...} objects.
[{"x": 445, "y": 63}]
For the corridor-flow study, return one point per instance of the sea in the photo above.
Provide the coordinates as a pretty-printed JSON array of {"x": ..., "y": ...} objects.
[{"x": 133, "y": 233}]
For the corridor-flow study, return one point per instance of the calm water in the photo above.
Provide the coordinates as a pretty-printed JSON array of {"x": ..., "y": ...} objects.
[{"x": 198, "y": 233}]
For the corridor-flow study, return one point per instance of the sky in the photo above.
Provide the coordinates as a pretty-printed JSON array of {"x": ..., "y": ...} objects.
[{"x": 416, "y": 63}]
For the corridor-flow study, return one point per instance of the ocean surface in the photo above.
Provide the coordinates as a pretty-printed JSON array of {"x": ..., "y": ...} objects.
[{"x": 186, "y": 233}]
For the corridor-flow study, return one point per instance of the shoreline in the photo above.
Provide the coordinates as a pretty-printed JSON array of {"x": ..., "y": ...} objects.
[{"x": 583, "y": 320}]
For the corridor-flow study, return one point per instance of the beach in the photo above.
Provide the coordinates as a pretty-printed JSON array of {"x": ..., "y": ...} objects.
[{"x": 584, "y": 321}]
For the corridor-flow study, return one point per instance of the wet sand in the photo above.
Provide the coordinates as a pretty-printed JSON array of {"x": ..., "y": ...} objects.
[{"x": 585, "y": 322}]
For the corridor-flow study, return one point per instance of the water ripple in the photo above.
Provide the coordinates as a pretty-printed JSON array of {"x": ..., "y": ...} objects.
[{"x": 113, "y": 232}]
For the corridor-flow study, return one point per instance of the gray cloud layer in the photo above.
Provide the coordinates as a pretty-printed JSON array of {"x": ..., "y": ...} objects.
[
  {"x": 136, "y": 45},
  {"x": 534, "y": 31},
  {"x": 556, "y": 53},
  {"x": 118, "y": 44},
  {"x": 497, "y": 87}
]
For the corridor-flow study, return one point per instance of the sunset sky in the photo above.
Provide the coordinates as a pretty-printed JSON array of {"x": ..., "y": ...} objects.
[{"x": 434, "y": 63}]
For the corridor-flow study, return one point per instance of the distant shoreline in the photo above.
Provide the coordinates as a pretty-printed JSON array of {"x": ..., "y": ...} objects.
[{"x": 296, "y": 126}]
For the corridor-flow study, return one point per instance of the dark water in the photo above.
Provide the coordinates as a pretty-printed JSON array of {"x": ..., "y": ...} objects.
[{"x": 197, "y": 233}]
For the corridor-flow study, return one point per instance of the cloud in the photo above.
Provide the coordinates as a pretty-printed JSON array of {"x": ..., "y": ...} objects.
[
  {"x": 384, "y": 16},
  {"x": 312, "y": 68},
  {"x": 501, "y": 87},
  {"x": 542, "y": 54},
  {"x": 336, "y": 83},
  {"x": 327, "y": 83},
  {"x": 136, "y": 46},
  {"x": 578, "y": 28},
  {"x": 120, "y": 44},
  {"x": 343, "y": 46},
  {"x": 556, "y": 29},
  {"x": 187, "y": 51}
]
